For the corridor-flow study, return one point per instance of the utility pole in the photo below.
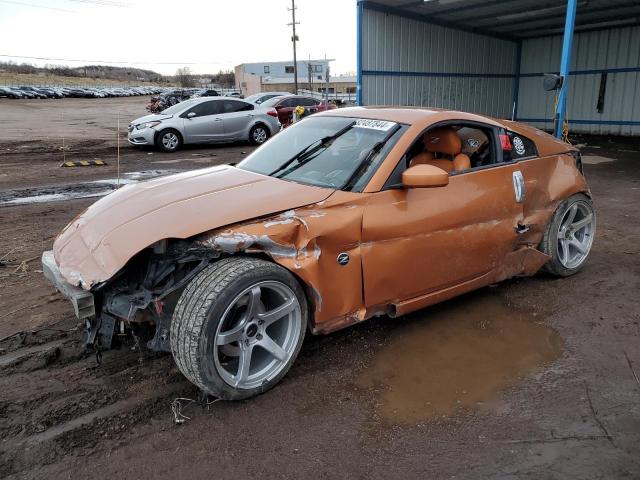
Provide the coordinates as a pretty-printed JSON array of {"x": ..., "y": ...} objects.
[{"x": 294, "y": 39}]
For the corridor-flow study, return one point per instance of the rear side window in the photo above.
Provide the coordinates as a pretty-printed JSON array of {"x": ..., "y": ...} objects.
[
  {"x": 521, "y": 147},
  {"x": 232, "y": 106},
  {"x": 289, "y": 102},
  {"x": 307, "y": 102}
]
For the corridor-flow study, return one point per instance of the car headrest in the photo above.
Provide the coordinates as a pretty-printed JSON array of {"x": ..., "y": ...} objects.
[{"x": 442, "y": 140}]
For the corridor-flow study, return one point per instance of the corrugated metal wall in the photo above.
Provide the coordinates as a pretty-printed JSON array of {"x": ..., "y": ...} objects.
[
  {"x": 410, "y": 62},
  {"x": 601, "y": 51}
]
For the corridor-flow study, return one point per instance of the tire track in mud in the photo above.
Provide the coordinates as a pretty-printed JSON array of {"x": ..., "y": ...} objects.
[{"x": 54, "y": 406}]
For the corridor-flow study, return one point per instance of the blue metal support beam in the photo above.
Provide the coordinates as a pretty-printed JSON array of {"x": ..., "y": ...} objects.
[
  {"x": 359, "y": 16},
  {"x": 516, "y": 81},
  {"x": 565, "y": 64}
]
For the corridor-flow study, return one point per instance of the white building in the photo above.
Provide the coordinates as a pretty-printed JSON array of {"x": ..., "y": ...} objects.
[{"x": 285, "y": 69}]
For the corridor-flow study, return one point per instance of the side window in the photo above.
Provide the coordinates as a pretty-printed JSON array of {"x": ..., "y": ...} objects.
[
  {"x": 206, "y": 108},
  {"x": 289, "y": 102},
  {"x": 456, "y": 148},
  {"x": 521, "y": 147},
  {"x": 307, "y": 102},
  {"x": 232, "y": 106}
]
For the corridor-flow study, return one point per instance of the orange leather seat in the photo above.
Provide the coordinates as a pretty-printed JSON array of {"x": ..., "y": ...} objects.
[{"x": 445, "y": 141}]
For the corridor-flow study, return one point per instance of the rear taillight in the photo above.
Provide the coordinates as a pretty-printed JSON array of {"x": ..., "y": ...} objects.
[{"x": 273, "y": 112}]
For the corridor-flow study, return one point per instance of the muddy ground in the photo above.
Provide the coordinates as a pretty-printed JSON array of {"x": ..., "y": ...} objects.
[{"x": 533, "y": 378}]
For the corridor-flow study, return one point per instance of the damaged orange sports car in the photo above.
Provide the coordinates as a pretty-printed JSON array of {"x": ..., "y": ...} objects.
[{"x": 346, "y": 215}]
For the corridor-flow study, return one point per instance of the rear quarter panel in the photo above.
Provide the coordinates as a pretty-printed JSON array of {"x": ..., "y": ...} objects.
[{"x": 548, "y": 181}]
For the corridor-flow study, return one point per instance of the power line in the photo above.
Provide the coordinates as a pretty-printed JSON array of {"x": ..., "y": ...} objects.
[{"x": 109, "y": 61}]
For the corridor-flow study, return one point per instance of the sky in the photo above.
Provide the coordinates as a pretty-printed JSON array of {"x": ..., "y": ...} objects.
[{"x": 163, "y": 35}]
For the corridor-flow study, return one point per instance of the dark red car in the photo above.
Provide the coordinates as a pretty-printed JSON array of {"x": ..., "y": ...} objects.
[{"x": 285, "y": 105}]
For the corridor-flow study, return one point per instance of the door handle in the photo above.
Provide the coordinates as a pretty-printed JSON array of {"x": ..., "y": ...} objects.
[
  {"x": 518, "y": 186},
  {"x": 217, "y": 119}
]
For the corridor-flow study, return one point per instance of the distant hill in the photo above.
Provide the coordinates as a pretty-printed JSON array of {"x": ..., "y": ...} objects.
[{"x": 95, "y": 72}]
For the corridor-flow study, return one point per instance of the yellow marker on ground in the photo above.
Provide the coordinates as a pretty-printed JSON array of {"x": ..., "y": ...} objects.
[{"x": 83, "y": 163}]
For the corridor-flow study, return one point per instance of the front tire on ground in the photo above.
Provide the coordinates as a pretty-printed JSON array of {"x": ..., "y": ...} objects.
[
  {"x": 569, "y": 236},
  {"x": 238, "y": 327},
  {"x": 258, "y": 134},
  {"x": 169, "y": 140}
]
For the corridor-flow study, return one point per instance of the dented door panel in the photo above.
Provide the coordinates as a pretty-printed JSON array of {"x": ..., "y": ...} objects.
[{"x": 421, "y": 240}]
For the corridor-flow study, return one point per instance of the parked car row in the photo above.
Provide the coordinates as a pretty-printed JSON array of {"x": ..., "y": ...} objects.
[{"x": 25, "y": 91}]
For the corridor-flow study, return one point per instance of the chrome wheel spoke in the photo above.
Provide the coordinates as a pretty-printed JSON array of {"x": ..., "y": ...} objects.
[
  {"x": 564, "y": 257},
  {"x": 244, "y": 364},
  {"x": 230, "y": 336},
  {"x": 578, "y": 245},
  {"x": 277, "y": 313},
  {"x": 571, "y": 215},
  {"x": 580, "y": 224},
  {"x": 273, "y": 348},
  {"x": 254, "y": 302}
]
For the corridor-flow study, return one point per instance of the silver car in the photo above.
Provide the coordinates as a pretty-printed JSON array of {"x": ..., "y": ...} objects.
[{"x": 205, "y": 120}]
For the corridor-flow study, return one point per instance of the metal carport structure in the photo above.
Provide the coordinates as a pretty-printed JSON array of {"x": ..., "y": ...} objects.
[{"x": 490, "y": 57}]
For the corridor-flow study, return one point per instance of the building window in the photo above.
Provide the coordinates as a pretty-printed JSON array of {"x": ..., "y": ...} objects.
[
  {"x": 267, "y": 69},
  {"x": 319, "y": 77},
  {"x": 317, "y": 68},
  {"x": 351, "y": 89},
  {"x": 289, "y": 69}
]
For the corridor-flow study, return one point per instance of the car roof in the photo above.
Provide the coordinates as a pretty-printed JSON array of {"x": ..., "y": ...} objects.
[{"x": 419, "y": 116}]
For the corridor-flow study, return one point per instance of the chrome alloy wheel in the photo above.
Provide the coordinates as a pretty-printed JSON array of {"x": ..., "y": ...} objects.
[
  {"x": 575, "y": 235},
  {"x": 257, "y": 334},
  {"x": 170, "y": 140},
  {"x": 259, "y": 135}
]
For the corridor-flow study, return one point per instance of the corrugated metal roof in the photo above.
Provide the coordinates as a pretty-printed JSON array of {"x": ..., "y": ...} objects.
[{"x": 516, "y": 19}]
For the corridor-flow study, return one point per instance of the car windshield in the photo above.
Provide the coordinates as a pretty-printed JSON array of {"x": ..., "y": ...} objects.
[
  {"x": 332, "y": 152},
  {"x": 178, "y": 107}
]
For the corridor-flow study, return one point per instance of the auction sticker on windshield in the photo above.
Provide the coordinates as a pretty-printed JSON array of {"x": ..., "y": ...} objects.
[{"x": 375, "y": 124}]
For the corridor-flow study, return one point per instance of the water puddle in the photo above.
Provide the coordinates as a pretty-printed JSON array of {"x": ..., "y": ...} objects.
[
  {"x": 55, "y": 193},
  {"x": 457, "y": 356}
]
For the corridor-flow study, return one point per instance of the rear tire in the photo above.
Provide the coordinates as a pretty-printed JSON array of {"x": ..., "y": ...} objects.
[
  {"x": 569, "y": 236},
  {"x": 169, "y": 140},
  {"x": 238, "y": 327}
]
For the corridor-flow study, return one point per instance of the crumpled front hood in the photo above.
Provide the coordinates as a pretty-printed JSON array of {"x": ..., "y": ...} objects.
[{"x": 98, "y": 243}]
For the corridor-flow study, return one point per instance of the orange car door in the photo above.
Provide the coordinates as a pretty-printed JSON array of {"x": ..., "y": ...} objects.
[{"x": 421, "y": 240}]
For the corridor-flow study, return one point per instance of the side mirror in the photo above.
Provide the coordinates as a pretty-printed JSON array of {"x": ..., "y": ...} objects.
[
  {"x": 423, "y": 176},
  {"x": 551, "y": 82},
  {"x": 191, "y": 114}
]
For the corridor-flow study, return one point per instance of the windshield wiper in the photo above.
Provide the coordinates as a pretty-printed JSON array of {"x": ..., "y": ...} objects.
[
  {"x": 368, "y": 159},
  {"x": 306, "y": 152}
]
